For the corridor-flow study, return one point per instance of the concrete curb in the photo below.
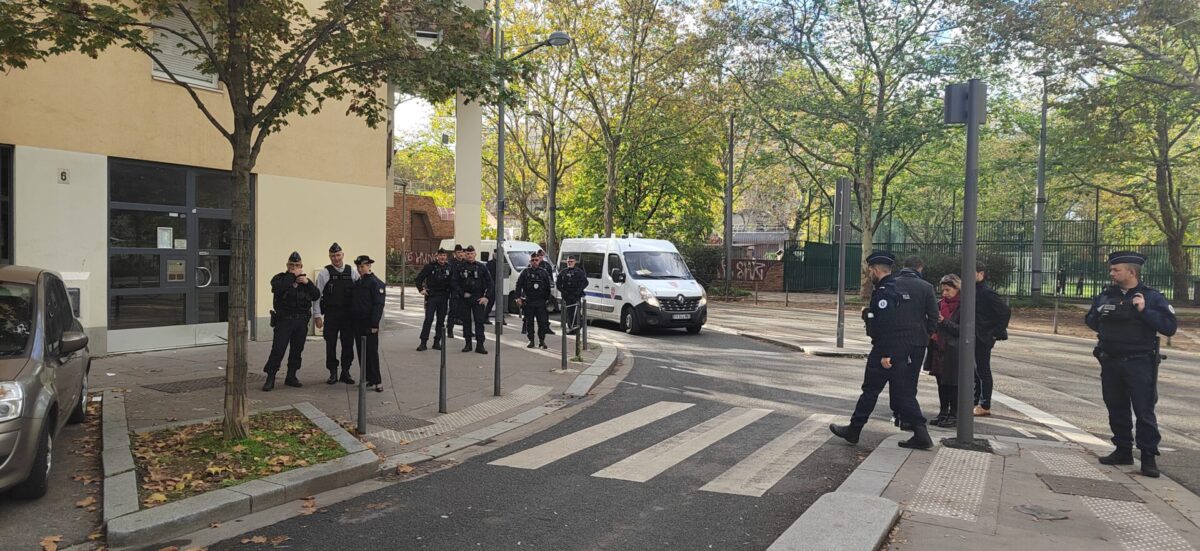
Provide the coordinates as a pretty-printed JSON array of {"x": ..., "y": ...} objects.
[
  {"x": 592, "y": 376},
  {"x": 811, "y": 350},
  {"x": 138, "y": 529},
  {"x": 120, "y": 482}
]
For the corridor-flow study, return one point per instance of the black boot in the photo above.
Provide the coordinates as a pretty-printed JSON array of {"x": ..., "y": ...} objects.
[
  {"x": 269, "y": 385},
  {"x": 949, "y": 422},
  {"x": 530, "y": 345},
  {"x": 450, "y": 333},
  {"x": 479, "y": 349},
  {"x": 937, "y": 421},
  {"x": 848, "y": 433},
  {"x": 346, "y": 378},
  {"x": 421, "y": 347},
  {"x": 920, "y": 439},
  {"x": 437, "y": 344},
  {"x": 292, "y": 381},
  {"x": 332, "y": 377},
  {"x": 467, "y": 347},
  {"x": 542, "y": 345},
  {"x": 1119, "y": 456},
  {"x": 1150, "y": 465}
]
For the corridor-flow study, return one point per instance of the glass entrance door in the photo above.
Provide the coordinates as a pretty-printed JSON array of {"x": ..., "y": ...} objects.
[{"x": 169, "y": 252}]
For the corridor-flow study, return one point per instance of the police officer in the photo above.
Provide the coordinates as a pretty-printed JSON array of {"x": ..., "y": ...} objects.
[
  {"x": 471, "y": 284},
  {"x": 434, "y": 284},
  {"x": 1127, "y": 317},
  {"x": 332, "y": 313},
  {"x": 366, "y": 310},
  {"x": 911, "y": 285},
  {"x": 549, "y": 267},
  {"x": 293, "y": 298},
  {"x": 892, "y": 322},
  {"x": 533, "y": 291},
  {"x": 455, "y": 303},
  {"x": 572, "y": 282}
]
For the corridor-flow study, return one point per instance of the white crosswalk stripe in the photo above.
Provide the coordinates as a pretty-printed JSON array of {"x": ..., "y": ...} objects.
[
  {"x": 542, "y": 455},
  {"x": 652, "y": 461},
  {"x": 764, "y": 468}
]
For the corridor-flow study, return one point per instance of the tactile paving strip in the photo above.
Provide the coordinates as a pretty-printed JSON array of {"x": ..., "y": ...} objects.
[
  {"x": 192, "y": 385},
  {"x": 398, "y": 422},
  {"x": 463, "y": 417},
  {"x": 953, "y": 486}
]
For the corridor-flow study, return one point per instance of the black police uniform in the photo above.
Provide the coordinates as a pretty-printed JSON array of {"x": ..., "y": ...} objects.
[
  {"x": 533, "y": 286},
  {"x": 891, "y": 323},
  {"x": 292, "y": 309},
  {"x": 469, "y": 283},
  {"x": 455, "y": 303},
  {"x": 335, "y": 309},
  {"x": 366, "y": 309},
  {"x": 1127, "y": 347},
  {"x": 434, "y": 279},
  {"x": 572, "y": 283},
  {"x": 912, "y": 287}
]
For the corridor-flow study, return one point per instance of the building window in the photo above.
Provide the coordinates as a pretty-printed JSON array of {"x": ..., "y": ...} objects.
[
  {"x": 173, "y": 51},
  {"x": 6, "y": 205}
]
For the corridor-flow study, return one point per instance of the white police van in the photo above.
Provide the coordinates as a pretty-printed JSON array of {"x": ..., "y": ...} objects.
[
  {"x": 515, "y": 263},
  {"x": 638, "y": 283}
]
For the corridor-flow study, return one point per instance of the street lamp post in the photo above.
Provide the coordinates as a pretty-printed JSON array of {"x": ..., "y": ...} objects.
[
  {"x": 1039, "y": 207},
  {"x": 556, "y": 38}
]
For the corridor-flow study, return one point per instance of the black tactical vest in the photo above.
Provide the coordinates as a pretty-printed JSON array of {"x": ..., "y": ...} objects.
[
  {"x": 1122, "y": 331},
  {"x": 472, "y": 279},
  {"x": 336, "y": 294}
]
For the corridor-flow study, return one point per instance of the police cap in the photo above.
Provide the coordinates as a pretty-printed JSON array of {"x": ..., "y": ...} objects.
[
  {"x": 363, "y": 259},
  {"x": 1126, "y": 257},
  {"x": 335, "y": 248},
  {"x": 470, "y": 248},
  {"x": 294, "y": 257},
  {"x": 572, "y": 257},
  {"x": 881, "y": 257},
  {"x": 441, "y": 250},
  {"x": 457, "y": 247}
]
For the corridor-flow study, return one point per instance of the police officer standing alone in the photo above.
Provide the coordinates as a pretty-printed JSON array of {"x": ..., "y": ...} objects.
[
  {"x": 1127, "y": 317},
  {"x": 293, "y": 298},
  {"x": 332, "y": 313},
  {"x": 434, "y": 284},
  {"x": 533, "y": 291},
  {"x": 572, "y": 281},
  {"x": 471, "y": 284},
  {"x": 366, "y": 309},
  {"x": 893, "y": 324}
]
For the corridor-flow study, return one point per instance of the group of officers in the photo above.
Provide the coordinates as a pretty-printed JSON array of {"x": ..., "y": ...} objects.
[
  {"x": 1127, "y": 316},
  {"x": 460, "y": 289}
]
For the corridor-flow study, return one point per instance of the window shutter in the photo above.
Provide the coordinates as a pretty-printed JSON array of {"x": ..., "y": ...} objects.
[{"x": 173, "y": 53}]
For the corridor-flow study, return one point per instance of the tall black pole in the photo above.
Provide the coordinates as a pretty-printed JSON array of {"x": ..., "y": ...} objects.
[
  {"x": 551, "y": 236},
  {"x": 976, "y": 103},
  {"x": 501, "y": 255},
  {"x": 842, "y": 198},
  {"x": 1039, "y": 207},
  {"x": 729, "y": 209}
]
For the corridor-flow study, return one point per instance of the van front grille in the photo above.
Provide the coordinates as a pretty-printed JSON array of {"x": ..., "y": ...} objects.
[{"x": 674, "y": 305}]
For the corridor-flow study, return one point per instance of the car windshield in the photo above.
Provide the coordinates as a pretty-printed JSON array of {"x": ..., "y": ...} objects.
[
  {"x": 518, "y": 259},
  {"x": 656, "y": 265},
  {"x": 16, "y": 318}
]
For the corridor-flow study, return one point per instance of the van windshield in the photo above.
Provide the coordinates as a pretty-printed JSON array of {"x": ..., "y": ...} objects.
[
  {"x": 518, "y": 259},
  {"x": 656, "y": 265},
  {"x": 16, "y": 318}
]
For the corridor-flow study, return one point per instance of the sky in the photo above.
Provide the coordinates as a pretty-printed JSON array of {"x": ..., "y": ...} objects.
[{"x": 412, "y": 116}]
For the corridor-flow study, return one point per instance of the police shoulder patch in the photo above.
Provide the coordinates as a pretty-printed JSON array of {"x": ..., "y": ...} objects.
[
  {"x": 883, "y": 303},
  {"x": 1170, "y": 309},
  {"x": 381, "y": 291}
]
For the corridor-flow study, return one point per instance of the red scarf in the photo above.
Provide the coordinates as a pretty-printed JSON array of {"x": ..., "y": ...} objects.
[{"x": 947, "y": 307}]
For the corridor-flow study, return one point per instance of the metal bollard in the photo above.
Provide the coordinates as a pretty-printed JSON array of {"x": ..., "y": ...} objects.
[
  {"x": 583, "y": 321},
  {"x": 442, "y": 372},
  {"x": 562, "y": 328},
  {"x": 362, "y": 385}
]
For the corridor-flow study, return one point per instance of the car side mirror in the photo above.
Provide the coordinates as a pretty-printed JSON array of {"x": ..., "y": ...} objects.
[
  {"x": 507, "y": 270},
  {"x": 72, "y": 341},
  {"x": 618, "y": 276}
]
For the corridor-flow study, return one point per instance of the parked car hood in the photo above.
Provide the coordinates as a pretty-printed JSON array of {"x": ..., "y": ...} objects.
[{"x": 10, "y": 368}]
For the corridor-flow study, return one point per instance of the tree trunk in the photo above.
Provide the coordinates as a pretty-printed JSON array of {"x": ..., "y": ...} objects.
[
  {"x": 1180, "y": 267},
  {"x": 237, "y": 420},
  {"x": 610, "y": 188},
  {"x": 868, "y": 240}
]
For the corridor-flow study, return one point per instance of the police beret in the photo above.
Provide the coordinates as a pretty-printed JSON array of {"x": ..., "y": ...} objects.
[
  {"x": 1127, "y": 257},
  {"x": 295, "y": 257},
  {"x": 363, "y": 259},
  {"x": 470, "y": 248},
  {"x": 335, "y": 248},
  {"x": 457, "y": 247},
  {"x": 881, "y": 257}
]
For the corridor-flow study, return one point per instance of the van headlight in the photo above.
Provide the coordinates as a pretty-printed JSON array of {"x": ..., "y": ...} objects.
[
  {"x": 649, "y": 297},
  {"x": 703, "y": 297},
  {"x": 11, "y": 399}
]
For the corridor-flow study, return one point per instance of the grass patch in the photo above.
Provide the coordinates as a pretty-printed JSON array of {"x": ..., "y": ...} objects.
[{"x": 181, "y": 462}]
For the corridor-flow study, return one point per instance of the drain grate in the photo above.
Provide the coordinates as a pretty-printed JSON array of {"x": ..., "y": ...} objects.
[
  {"x": 1089, "y": 487},
  {"x": 397, "y": 421},
  {"x": 192, "y": 385}
]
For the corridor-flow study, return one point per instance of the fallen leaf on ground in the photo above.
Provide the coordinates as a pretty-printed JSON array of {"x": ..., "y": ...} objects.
[
  {"x": 279, "y": 539},
  {"x": 95, "y": 535},
  {"x": 377, "y": 506},
  {"x": 90, "y": 500},
  {"x": 215, "y": 525},
  {"x": 309, "y": 506},
  {"x": 50, "y": 543},
  {"x": 255, "y": 539},
  {"x": 404, "y": 469},
  {"x": 156, "y": 498}
]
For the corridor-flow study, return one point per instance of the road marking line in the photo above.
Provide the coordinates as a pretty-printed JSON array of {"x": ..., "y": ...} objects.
[
  {"x": 545, "y": 454},
  {"x": 764, "y": 468},
  {"x": 1073, "y": 433},
  {"x": 652, "y": 461}
]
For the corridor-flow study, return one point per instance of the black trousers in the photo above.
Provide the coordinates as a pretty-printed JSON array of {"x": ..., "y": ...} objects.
[
  {"x": 902, "y": 393},
  {"x": 983, "y": 373},
  {"x": 474, "y": 317},
  {"x": 947, "y": 398},
  {"x": 338, "y": 329},
  {"x": 1131, "y": 383},
  {"x": 537, "y": 313},
  {"x": 915, "y": 373},
  {"x": 452, "y": 313},
  {"x": 370, "y": 356},
  {"x": 434, "y": 305},
  {"x": 288, "y": 333}
]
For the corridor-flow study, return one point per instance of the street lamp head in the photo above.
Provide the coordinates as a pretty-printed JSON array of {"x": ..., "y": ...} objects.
[
  {"x": 1043, "y": 72},
  {"x": 558, "y": 38}
]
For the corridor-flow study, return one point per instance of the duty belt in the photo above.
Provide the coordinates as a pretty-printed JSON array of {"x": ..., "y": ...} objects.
[{"x": 1126, "y": 357}]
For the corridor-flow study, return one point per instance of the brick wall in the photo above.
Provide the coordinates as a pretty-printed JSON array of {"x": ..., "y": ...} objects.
[
  {"x": 772, "y": 276},
  {"x": 398, "y": 223}
]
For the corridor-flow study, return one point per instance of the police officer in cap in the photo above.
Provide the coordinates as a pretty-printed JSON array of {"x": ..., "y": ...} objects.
[
  {"x": 892, "y": 321},
  {"x": 434, "y": 284},
  {"x": 332, "y": 313},
  {"x": 533, "y": 291},
  {"x": 369, "y": 298},
  {"x": 455, "y": 303},
  {"x": 572, "y": 282},
  {"x": 1127, "y": 317},
  {"x": 471, "y": 284},
  {"x": 293, "y": 299}
]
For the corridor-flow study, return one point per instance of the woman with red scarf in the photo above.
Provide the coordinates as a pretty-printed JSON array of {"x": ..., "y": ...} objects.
[{"x": 942, "y": 359}]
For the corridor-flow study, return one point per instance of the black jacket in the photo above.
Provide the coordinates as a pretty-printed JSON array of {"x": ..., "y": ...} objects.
[
  {"x": 435, "y": 279},
  {"x": 292, "y": 300},
  {"x": 572, "y": 282},
  {"x": 367, "y": 301},
  {"x": 912, "y": 287},
  {"x": 991, "y": 315},
  {"x": 534, "y": 285},
  {"x": 471, "y": 281},
  {"x": 1122, "y": 330}
]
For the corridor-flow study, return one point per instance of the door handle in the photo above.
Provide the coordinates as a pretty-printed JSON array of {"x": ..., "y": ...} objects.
[{"x": 208, "y": 281}]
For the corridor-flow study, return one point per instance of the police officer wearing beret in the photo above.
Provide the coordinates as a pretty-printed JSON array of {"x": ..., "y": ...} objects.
[
  {"x": 293, "y": 298},
  {"x": 1127, "y": 318},
  {"x": 533, "y": 291},
  {"x": 434, "y": 284},
  {"x": 332, "y": 313},
  {"x": 366, "y": 309},
  {"x": 471, "y": 284},
  {"x": 572, "y": 282},
  {"x": 892, "y": 323},
  {"x": 455, "y": 302}
]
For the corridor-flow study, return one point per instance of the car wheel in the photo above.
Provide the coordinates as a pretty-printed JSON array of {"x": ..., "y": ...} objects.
[
  {"x": 79, "y": 414},
  {"x": 39, "y": 474},
  {"x": 629, "y": 321},
  {"x": 694, "y": 329}
]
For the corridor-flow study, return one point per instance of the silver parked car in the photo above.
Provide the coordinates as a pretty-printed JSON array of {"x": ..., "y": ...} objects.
[{"x": 44, "y": 366}]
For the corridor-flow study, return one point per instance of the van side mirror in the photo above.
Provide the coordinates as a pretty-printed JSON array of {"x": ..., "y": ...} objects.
[
  {"x": 507, "y": 270},
  {"x": 72, "y": 341},
  {"x": 618, "y": 276}
]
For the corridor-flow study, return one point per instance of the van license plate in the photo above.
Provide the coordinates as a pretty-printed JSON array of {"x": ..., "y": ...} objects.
[{"x": 681, "y": 316}]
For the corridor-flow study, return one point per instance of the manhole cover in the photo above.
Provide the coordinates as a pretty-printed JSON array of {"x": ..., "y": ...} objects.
[
  {"x": 192, "y": 385},
  {"x": 1104, "y": 489},
  {"x": 398, "y": 422}
]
